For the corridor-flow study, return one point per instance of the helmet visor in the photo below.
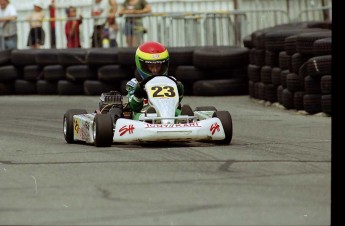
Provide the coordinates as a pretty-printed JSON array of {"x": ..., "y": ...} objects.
[{"x": 154, "y": 67}]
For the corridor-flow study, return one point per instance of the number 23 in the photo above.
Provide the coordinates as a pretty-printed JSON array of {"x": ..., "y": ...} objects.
[{"x": 163, "y": 91}]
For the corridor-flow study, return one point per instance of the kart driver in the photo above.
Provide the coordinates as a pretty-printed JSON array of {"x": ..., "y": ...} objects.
[{"x": 151, "y": 59}]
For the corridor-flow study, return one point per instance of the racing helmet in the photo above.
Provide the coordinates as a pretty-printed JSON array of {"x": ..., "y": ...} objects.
[{"x": 151, "y": 58}]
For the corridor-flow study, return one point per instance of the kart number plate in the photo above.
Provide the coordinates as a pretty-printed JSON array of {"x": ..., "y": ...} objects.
[{"x": 162, "y": 91}]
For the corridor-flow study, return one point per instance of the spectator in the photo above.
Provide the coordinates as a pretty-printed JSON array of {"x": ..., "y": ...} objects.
[
  {"x": 134, "y": 28},
  {"x": 100, "y": 11},
  {"x": 72, "y": 28},
  {"x": 36, "y": 34},
  {"x": 111, "y": 30},
  {"x": 8, "y": 27},
  {"x": 52, "y": 24}
]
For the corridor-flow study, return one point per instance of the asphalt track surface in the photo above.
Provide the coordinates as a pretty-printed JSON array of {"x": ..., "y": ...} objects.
[{"x": 276, "y": 171}]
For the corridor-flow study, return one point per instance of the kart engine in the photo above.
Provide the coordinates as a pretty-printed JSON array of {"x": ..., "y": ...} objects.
[{"x": 110, "y": 100}]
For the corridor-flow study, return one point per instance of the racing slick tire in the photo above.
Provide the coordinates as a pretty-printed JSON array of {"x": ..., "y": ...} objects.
[
  {"x": 187, "y": 110},
  {"x": 68, "y": 127},
  {"x": 226, "y": 120},
  {"x": 103, "y": 130}
]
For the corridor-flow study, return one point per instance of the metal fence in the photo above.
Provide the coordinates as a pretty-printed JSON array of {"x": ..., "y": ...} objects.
[
  {"x": 173, "y": 29},
  {"x": 193, "y": 28}
]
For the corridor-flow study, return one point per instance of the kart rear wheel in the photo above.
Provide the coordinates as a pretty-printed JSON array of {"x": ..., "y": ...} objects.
[
  {"x": 103, "y": 130},
  {"x": 187, "y": 110},
  {"x": 206, "y": 108},
  {"x": 226, "y": 120},
  {"x": 68, "y": 125}
]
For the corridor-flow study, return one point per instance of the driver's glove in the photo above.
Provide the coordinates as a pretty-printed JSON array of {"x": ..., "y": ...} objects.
[
  {"x": 136, "y": 101},
  {"x": 139, "y": 92}
]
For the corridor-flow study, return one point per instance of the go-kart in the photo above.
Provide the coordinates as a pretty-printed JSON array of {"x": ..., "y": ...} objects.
[{"x": 161, "y": 119}]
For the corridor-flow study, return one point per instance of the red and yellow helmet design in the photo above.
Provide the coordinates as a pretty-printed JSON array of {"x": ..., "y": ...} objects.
[{"x": 152, "y": 58}]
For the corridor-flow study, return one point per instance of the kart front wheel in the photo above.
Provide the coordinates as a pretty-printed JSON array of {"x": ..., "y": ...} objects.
[
  {"x": 226, "y": 120},
  {"x": 103, "y": 130},
  {"x": 68, "y": 124},
  {"x": 187, "y": 110}
]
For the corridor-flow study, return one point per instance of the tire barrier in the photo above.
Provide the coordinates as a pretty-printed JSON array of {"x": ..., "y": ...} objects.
[
  {"x": 47, "y": 57},
  {"x": 80, "y": 73},
  {"x": 5, "y": 57},
  {"x": 288, "y": 64},
  {"x": 299, "y": 60},
  {"x": 209, "y": 58},
  {"x": 226, "y": 87},
  {"x": 95, "y": 87},
  {"x": 32, "y": 73},
  {"x": 220, "y": 70},
  {"x": 46, "y": 87},
  {"x": 66, "y": 87},
  {"x": 322, "y": 47},
  {"x": 54, "y": 73},
  {"x": 102, "y": 56}
]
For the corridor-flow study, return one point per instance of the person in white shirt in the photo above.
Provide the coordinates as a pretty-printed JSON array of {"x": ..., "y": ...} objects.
[
  {"x": 37, "y": 34},
  {"x": 8, "y": 26}
]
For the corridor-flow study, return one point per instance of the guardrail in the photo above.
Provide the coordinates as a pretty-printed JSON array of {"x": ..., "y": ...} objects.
[
  {"x": 319, "y": 12},
  {"x": 177, "y": 29}
]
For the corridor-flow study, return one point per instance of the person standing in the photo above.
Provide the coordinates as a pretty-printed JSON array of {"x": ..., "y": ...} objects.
[
  {"x": 100, "y": 12},
  {"x": 112, "y": 28},
  {"x": 134, "y": 28},
  {"x": 72, "y": 28},
  {"x": 36, "y": 34},
  {"x": 8, "y": 26},
  {"x": 52, "y": 24}
]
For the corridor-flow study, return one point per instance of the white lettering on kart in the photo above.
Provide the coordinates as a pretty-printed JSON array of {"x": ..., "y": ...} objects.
[{"x": 195, "y": 124}]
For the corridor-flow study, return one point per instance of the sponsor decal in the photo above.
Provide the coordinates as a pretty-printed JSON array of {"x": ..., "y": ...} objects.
[
  {"x": 85, "y": 131},
  {"x": 90, "y": 116},
  {"x": 127, "y": 128},
  {"x": 155, "y": 56},
  {"x": 194, "y": 124},
  {"x": 87, "y": 125},
  {"x": 214, "y": 127},
  {"x": 76, "y": 126}
]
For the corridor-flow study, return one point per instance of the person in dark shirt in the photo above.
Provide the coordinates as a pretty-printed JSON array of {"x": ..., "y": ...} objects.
[{"x": 52, "y": 24}]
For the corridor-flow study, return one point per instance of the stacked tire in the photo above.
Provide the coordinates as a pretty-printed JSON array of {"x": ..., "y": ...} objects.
[
  {"x": 223, "y": 71},
  {"x": 8, "y": 73},
  {"x": 287, "y": 65},
  {"x": 210, "y": 71},
  {"x": 61, "y": 71}
]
